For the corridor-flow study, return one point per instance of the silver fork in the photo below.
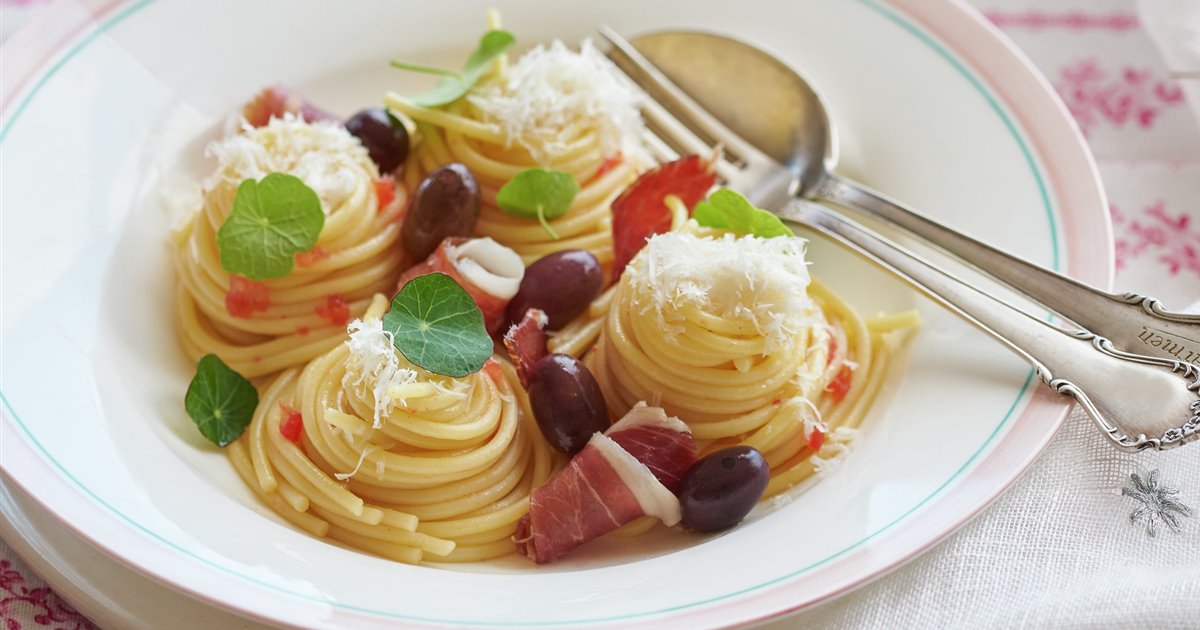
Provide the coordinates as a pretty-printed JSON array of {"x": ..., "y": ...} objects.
[{"x": 1139, "y": 402}]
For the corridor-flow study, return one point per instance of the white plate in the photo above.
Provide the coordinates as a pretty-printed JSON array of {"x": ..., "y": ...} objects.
[{"x": 107, "y": 104}]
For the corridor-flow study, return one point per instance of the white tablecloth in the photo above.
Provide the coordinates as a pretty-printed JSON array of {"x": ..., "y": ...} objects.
[{"x": 1057, "y": 550}]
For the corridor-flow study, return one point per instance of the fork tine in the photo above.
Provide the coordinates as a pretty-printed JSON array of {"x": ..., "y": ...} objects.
[{"x": 672, "y": 100}]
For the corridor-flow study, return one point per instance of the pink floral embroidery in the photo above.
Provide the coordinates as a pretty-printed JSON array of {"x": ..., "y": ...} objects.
[
  {"x": 49, "y": 610},
  {"x": 1075, "y": 20},
  {"x": 1172, "y": 238},
  {"x": 1132, "y": 96}
]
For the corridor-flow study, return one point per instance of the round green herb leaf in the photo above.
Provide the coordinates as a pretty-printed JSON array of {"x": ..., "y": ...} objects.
[
  {"x": 538, "y": 194},
  {"x": 220, "y": 401},
  {"x": 436, "y": 325},
  {"x": 453, "y": 85},
  {"x": 728, "y": 210},
  {"x": 272, "y": 220}
]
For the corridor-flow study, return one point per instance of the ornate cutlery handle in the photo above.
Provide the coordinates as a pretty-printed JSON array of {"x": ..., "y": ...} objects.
[
  {"x": 1139, "y": 402},
  {"x": 1133, "y": 323}
]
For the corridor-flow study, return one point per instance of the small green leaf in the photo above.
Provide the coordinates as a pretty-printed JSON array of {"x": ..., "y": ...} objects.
[
  {"x": 436, "y": 325},
  {"x": 728, "y": 210},
  {"x": 271, "y": 221},
  {"x": 538, "y": 194},
  {"x": 220, "y": 401},
  {"x": 453, "y": 85}
]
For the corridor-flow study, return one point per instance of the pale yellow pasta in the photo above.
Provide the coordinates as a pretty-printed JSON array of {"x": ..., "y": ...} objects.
[
  {"x": 445, "y": 477},
  {"x": 357, "y": 255}
]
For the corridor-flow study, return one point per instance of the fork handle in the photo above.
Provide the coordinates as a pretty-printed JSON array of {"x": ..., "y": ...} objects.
[
  {"x": 1134, "y": 323},
  {"x": 1139, "y": 402}
]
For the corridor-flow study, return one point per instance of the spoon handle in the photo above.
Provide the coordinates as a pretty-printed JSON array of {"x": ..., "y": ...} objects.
[
  {"x": 1139, "y": 402},
  {"x": 1133, "y": 323}
]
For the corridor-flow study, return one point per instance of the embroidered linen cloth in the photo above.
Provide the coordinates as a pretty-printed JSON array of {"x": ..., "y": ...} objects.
[{"x": 1058, "y": 549}]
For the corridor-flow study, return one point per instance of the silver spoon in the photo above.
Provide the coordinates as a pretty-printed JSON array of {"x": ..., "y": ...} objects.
[
  {"x": 775, "y": 128},
  {"x": 789, "y": 122}
]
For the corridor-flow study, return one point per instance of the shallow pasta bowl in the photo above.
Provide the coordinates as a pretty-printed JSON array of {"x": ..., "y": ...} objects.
[{"x": 107, "y": 107}]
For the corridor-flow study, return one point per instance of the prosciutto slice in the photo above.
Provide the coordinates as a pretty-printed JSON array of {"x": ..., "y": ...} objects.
[
  {"x": 489, "y": 271},
  {"x": 606, "y": 486},
  {"x": 275, "y": 101},
  {"x": 525, "y": 342}
]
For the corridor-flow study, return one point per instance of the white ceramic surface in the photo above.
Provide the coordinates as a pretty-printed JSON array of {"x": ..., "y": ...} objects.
[{"x": 92, "y": 380}]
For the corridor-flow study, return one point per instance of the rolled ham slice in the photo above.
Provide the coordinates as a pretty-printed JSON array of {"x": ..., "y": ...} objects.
[
  {"x": 606, "y": 486},
  {"x": 489, "y": 271},
  {"x": 525, "y": 342}
]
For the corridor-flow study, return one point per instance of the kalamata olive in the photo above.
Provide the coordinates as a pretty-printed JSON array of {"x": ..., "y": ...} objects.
[
  {"x": 385, "y": 138},
  {"x": 562, "y": 284},
  {"x": 566, "y": 401},
  {"x": 718, "y": 491},
  {"x": 446, "y": 204}
]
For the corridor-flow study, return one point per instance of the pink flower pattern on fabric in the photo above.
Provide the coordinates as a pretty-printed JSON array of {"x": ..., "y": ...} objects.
[
  {"x": 19, "y": 602},
  {"x": 1130, "y": 96},
  {"x": 1171, "y": 237}
]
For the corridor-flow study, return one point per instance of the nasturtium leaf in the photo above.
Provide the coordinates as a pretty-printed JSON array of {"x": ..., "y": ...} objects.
[
  {"x": 271, "y": 221},
  {"x": 453, "y": 85},
  {"x": 537, "y": 193},
  {"x": 728, "y": 210},
  {"x": 436, "y": 325},
  {"x": 220, "y": 401}
]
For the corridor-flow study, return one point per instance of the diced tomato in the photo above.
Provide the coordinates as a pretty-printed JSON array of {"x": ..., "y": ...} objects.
[
  {"x": 334, "y": 309},
  {"x": 291, "y": 423},
  {"x": 302, "y": 330},
  {"x": 526, "y": 342},
  {"x": 833, "y": 346},
  {"x": 606, "y": 167},
  {"x": 385, "y": 191},
  {"x": 840, "y": 384},
  {"x": 246, "y": 297},
  {"x": 493, "y": 370},
  {"x": 311, "y": 257},
  {"x": 816, "y": 439},
  {"x": 640, "y": 212},
  {"x": 275, "y": 101}
]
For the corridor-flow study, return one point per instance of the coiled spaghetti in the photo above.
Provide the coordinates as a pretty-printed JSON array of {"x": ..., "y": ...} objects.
[
  {"x": 554, "y": 109},
  {"x": 446, "y": 472},
  {"x": 722, "y": 375},
  {"x": 293, "y": 319}
]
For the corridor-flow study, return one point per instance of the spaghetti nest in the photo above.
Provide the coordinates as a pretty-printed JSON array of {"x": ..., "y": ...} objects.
[
  {"x": 260, "y": 328},
  {"x": 554, "y": 109},
  {"x": 394, "y": 460},
  {"x": 737, "y": 376}
]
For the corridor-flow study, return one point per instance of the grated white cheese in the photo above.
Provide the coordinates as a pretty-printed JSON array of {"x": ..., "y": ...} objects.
[
  {"x": 322, "y": 154},
  {"x": 552, "y": 90},
  {"x": 763, "y": 281},
  {"x": 836, "y": 448},
  {"x": 374, "y": 367}
]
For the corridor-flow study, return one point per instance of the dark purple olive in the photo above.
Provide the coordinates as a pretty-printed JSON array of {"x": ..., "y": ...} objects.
[
  {"x": 720, "y": 490},
  {"x": 562, "y": 284},
  {"x": 446, "y": 204},
  {"x": 566, "y": 401},
  {"x": 385, "y": 138}
]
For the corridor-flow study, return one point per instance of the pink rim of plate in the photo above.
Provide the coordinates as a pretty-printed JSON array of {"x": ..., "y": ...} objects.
[{"x": 1087, "y": 233}]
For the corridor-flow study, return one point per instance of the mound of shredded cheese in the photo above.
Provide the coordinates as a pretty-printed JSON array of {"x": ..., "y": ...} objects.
[
  {"x": 544, "y": 99},
  {"x": 763, "y": 281},
  {"x": 322, "y": 154},
  {"x": 376, "y": 371}
]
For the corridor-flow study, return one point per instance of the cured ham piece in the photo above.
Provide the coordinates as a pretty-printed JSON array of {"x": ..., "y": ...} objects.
[
  {"x": 526, "y": 342},
  {"x": 606, "y": 486},
  {"x": 639, "y": 212},
  {"x": 489, "y": 271},
  {"x": 275, "y": 101}
]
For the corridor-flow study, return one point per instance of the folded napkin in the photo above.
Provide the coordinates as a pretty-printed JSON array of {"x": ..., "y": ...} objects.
[{"x": 1174, "y": 25}]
